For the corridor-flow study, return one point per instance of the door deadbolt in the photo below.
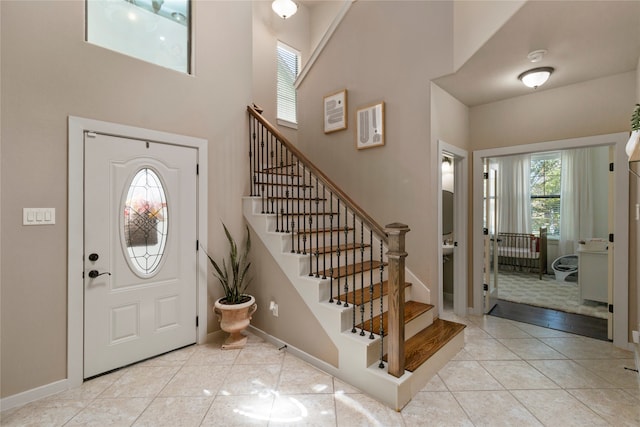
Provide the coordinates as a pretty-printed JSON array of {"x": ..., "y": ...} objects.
[
  {"x": 95, "y": 273},
  {"x": 93, "y": 257}
]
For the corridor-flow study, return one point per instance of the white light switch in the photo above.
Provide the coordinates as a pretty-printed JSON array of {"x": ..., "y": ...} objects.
[{"x": 38, "y": 216}]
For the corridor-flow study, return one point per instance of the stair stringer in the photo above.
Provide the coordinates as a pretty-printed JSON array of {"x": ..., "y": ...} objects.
[{"x": 354, "y": 350}]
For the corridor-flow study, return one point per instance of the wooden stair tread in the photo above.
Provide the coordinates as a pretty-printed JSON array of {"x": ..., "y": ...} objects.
[
  {"x": 304, "y": 199},
  {"x": 412, "y": 309},
  {"x": 367, "y": 297},
  {"x": 294, "y": 184},
  {"x": 420, "y": 347},
  {"x": 313, "y": 213},
  {"x": 275, "y": 168},
  {"x": 350, "y": 269}
]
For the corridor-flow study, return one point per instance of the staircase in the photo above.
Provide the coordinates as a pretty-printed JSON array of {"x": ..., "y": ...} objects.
[{"x": 349, "y": 271}]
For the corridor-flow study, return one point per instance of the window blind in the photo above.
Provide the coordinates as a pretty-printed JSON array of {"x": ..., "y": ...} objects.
[{"x": 288, "y": 68}]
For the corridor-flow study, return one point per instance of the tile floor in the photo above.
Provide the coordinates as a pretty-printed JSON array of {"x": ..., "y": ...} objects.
[{"x": 508, "y": 374}]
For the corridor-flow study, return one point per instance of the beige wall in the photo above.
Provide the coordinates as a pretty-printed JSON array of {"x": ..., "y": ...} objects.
[
  {"x": 590, "y": 108},
  {"x": 474, "y": 22},
  {"x": 48, "y": 73},
  {"x": 393, "y": 182}
]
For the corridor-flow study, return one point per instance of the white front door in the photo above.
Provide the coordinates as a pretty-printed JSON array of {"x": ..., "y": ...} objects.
[{"x": 140, "y": 250}]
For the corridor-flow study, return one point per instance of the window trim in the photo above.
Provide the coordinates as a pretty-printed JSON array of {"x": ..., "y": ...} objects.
[{"x": 295, "y": 52}]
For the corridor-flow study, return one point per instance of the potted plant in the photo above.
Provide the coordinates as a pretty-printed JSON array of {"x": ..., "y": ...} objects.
[{"x": 235, "y": 308}]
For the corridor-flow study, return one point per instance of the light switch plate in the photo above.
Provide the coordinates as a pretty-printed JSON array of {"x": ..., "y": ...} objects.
[{"x": 38, "y": 216}]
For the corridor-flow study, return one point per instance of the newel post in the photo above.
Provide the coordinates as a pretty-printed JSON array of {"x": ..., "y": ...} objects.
[{"x": 396, "y": 256}]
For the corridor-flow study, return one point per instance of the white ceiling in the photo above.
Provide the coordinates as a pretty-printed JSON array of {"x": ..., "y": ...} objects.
[{"x": 585, "y": 40}]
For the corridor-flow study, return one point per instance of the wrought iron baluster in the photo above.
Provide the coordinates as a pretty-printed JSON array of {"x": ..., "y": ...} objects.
[
  {"x": 317, "y": 248},
  {"x": 354, "y": 290},
  {"x": 331, "y": 244},
  {"x": 371, "y": 336},
  {"x": 381, "y": 365},
  {"x": 273, "y": 172},
  {"x": 289, "y": 160},
  {"x": 362, "y": 278},
  {"x": 263, "y": 172},
  {"x": 346, "y": 257},
  {"x": 324, "y": 236},
  {"x": 338, "y": 257},
  {"x": 298, "y": 211},
  {"x": 252, "y": 137},
  {"x": 304, "y": 211},
  {"x": 278, "y": 186}
]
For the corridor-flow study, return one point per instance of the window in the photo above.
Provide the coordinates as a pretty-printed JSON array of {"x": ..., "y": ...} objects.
[
  {"x": 288, "y": 69},
  {"x": 156, "y": 31},
  {"x": 545, "y": 192}
]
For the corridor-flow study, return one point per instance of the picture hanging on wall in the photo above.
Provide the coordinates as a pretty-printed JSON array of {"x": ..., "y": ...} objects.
[
  {"x": 335, "y": 111},
  {"x": 370, "y": 126}
]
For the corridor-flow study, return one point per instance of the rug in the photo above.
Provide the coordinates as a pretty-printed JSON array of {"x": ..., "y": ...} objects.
[{"x": 526, "y": 288}]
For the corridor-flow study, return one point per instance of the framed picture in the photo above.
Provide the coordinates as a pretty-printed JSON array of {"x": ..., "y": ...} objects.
[
  {"x": 335, "y": 111},
  {"x": 370, "y": 126}
]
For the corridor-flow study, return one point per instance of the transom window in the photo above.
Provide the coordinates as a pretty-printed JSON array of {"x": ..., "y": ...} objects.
[{"x": 156, "y": 31}]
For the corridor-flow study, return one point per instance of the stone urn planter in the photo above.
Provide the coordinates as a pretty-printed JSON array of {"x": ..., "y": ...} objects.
[{"x": 235, "y": 318}]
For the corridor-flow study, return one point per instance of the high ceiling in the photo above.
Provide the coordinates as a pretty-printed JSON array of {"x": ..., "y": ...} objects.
[{"x": 585, "y": 40}]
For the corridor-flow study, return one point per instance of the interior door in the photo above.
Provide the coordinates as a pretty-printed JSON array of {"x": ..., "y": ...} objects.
[
  {"x": 611, "y": 248},
  {"x": 140, "y": 250},
  {"x": 490, "y": 238}
]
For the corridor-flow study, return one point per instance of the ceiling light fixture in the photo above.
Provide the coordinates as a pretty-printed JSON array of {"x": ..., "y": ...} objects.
[
  {"x": 536, "y": 77},
  {"x": 284, "y": 8}
]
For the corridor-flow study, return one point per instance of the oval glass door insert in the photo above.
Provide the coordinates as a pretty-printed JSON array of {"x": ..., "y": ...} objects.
[{"x": 146, "y": 222}]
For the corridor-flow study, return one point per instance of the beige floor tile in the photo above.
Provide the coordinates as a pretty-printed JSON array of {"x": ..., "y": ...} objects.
[
  {"x": 248, "y": 410},
  {"x": 467, "y": 375},
  {"x": 361, "y": 410},
  {"x": 174, "y": 412},
  {"x": 47, "y": 412},
  {"x": 197, "y": 381},
  {"x": 174, "y": 358},
  {"x": 260, "y": 354},
  {"x": 531, "y": 348},
  {"x": 310, "y": 410},
  {"x": 615, "y": 406},
  {"x": 558, "y": 408},
  {"x": 568, "y": 374},
  {"x": 517, "y": 375},
  {"x": 490, "y": 349},
  {"x": 111, "y": 412},
  {"x": 435, "y": 384},
  {"x": 613, "y": 371},
  {"x": 494, "y": 409},
  {"x": 540, "y": 332},
  {"x": 248, "y": 379},
  {"x": 435, "y": 409},
  {"x": 90, "y": 389},
  {"x": 634, "y": 392},
  {"x": 503, "y": 330},
  {"x": 140, "y": 382},
  {"x": 340, "y": 386},
  {"x": 211, "y": 354},
  {"x": 473, "y": 332},
  {"x": 586, "y": 348},
  {"x": 298, "y": 377}
]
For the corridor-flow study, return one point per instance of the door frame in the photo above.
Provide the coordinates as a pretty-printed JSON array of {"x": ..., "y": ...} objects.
[
  {"x": 460, "y": 218},
  {"x": 621, "y": 220},
  {"x": 75, "y": 229}
]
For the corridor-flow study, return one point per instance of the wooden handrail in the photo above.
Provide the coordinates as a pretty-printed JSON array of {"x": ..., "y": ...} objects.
[{"x": 366, "y": 219}]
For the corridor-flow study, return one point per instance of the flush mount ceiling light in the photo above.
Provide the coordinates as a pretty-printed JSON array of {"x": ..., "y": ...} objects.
[
  {"x": 284, "y": 8},
  {"x": 535, "y": 77}
]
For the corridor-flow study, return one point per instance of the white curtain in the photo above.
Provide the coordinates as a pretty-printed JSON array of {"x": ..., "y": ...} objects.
[
  {"x": 576, "y": 200},
  {"x": 514, "y": 193}
]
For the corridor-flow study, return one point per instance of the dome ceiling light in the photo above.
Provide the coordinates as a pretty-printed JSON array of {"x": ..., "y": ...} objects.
[
  {"x": 284, "y": 8},
  {"x": 535, "y": 77}
]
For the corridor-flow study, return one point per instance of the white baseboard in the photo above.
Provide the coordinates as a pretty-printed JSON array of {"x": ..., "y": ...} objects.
[
  {"x": 320, "y": 364},
  {"x": 28, "y": 396}
]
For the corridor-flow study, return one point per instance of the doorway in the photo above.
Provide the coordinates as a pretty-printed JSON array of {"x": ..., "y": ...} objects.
[
  {"x": 620, "y": 226},
  {"x": 452, "y": 228},
  {"x": 81, "y": 268}
]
